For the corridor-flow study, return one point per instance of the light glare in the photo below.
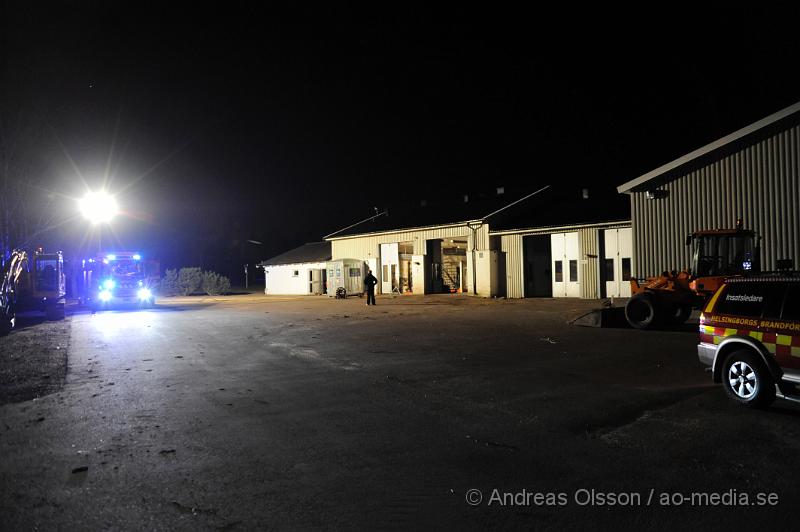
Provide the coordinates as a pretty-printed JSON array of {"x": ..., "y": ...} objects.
[{"x": 98, "y": 207}]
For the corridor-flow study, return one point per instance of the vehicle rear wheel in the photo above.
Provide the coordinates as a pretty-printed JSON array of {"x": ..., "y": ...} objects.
[
  {"x": 640, "y": 311},
  {"x": 747, "y": 381}
]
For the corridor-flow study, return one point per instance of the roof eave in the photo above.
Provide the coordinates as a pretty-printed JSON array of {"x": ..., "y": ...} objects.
[
  {"x": 404, "y": 229},
  {"x": 627, "y": 188}
]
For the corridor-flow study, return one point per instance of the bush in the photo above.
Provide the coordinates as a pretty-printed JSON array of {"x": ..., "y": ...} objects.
[
  {"x": 169, "y": 284},
  {"x": 189, "y": 280},
  {"x": 224, "y": 285},
  {"x": 215, "y": 284}
]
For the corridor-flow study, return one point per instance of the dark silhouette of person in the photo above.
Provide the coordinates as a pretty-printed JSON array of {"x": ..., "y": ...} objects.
[{"x": 369, "y": 282}]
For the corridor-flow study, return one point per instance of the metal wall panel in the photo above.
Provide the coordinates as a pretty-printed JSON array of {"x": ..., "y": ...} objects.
[
  {"x": 589, "y": 269},
  {"x": 511, "y": 245},
  {"x": 760, "y": 183}
]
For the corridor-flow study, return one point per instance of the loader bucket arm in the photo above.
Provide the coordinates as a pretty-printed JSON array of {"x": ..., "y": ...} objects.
[{"x": 8, "y": 287}]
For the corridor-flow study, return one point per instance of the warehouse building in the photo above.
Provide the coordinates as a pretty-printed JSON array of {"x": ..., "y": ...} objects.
[
  {"x": 751, "y": 175},
  {"x": 550, "y": 245},
  {"x": 300, "y": 271}
]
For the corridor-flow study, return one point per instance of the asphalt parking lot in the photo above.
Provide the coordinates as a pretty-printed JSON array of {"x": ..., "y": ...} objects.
[{"x": 435, "y": 412}]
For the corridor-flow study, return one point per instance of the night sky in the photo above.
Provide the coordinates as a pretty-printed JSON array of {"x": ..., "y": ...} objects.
[{"x": 219, "y": 126}]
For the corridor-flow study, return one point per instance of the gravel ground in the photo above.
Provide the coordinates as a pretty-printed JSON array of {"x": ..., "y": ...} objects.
[
  {"x": 443, "y": 413},
  {"x": 33, "y": 359}
]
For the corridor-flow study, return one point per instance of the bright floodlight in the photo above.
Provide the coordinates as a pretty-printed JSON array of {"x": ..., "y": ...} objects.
[{"x": 98, "y": 207}]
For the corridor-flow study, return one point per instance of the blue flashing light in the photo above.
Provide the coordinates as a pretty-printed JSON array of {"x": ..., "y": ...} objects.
[
  {"x": 111, "y": 257},
  {"x": 108, "y": 284},
  {"x": 137, "y": 257}
]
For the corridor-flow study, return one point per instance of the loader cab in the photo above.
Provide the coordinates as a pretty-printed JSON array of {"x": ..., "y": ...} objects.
[
  {"x": 48, "y": 275},
  {"x": 724, "y": 252}
]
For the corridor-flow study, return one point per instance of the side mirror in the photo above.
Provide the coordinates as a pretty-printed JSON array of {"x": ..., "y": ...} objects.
[{"x": 689, "y": 240}]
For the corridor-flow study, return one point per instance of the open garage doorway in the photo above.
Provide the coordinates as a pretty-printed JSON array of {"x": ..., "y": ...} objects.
[
  {"x": 405, "y": 252},
  {"x": 396, "y": 273},
  {"x": 537, "y": 266},
  {"x": 447, "y": 260},
  {"x": 454, "y": 265}
]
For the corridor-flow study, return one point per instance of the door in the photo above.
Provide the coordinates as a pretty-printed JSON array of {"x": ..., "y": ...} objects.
[
  {"x": 317, "y": 281},
  {"x": 616, "y": 269},
  {"x": 537, "y": 266},
  {"x": 390, "y": 266},
  {"x": 564, "y": 250}
]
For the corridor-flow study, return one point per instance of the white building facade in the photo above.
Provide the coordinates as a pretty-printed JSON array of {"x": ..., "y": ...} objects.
[{"x": 300, "y": 271}]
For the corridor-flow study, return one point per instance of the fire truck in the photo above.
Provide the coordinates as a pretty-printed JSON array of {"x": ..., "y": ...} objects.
[{"x": 119, "y": 278}]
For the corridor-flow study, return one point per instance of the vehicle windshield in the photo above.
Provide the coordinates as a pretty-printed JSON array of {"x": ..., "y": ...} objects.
[
  {"x": 47, "y": 274},
  {"x": 125, "y": 268},
  {"x": 717, "y": 255}
]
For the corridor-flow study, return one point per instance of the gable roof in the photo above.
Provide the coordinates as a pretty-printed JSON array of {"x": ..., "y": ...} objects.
[
  {"x": 642, "y": 180},
  {"x": 561, "y": 204},
  {"x": 432, "y": 212},
  {"x": 311, "y": 252}
]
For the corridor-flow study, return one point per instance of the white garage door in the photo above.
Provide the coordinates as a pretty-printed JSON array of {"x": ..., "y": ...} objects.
[
  {"x": 390, "y": 268},
  {"x": 564, "y": 247},
  {"x": 617, "y": 262}
]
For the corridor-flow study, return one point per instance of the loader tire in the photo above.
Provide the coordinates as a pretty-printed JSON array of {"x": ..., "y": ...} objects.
[
  {"x": 679, "y": 314},
  {"x": 641, "y": 311},
  {"x": 55, "y": 312},
  {"x": 6, "y": 323}
]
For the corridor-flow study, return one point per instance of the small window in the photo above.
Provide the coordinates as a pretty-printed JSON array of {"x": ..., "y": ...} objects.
[
  {"x": 573, "y": 271},
  {"x": 385, "y": 271},
  {"x": 330, "y": 273},
  {"x": 609, "y": 269},
  {"x": 310, "y": 275},
  {"x": 355, "y": 272},
  {"x": 626, "y": 269},
  {"x": 791, "y": 307},
  {"x": 296, "y": 273},
  {"x": 559, "y": 276}
]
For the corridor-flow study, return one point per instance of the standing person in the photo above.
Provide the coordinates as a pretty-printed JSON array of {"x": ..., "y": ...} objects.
[{"x": 369, "y": 282}]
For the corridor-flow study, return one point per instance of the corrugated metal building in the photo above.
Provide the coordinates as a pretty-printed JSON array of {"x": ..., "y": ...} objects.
[
  {"x": 399, "y": 256},
  {"x": 588, "y": 260},
  {"x": 499, "y": 255},
  {"x": 752, "y": 174}
]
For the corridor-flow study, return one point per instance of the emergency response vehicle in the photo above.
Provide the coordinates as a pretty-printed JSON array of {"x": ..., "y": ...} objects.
[
  {"x": 119, "y": 278},
  {"x": 750, "y": 336}
]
